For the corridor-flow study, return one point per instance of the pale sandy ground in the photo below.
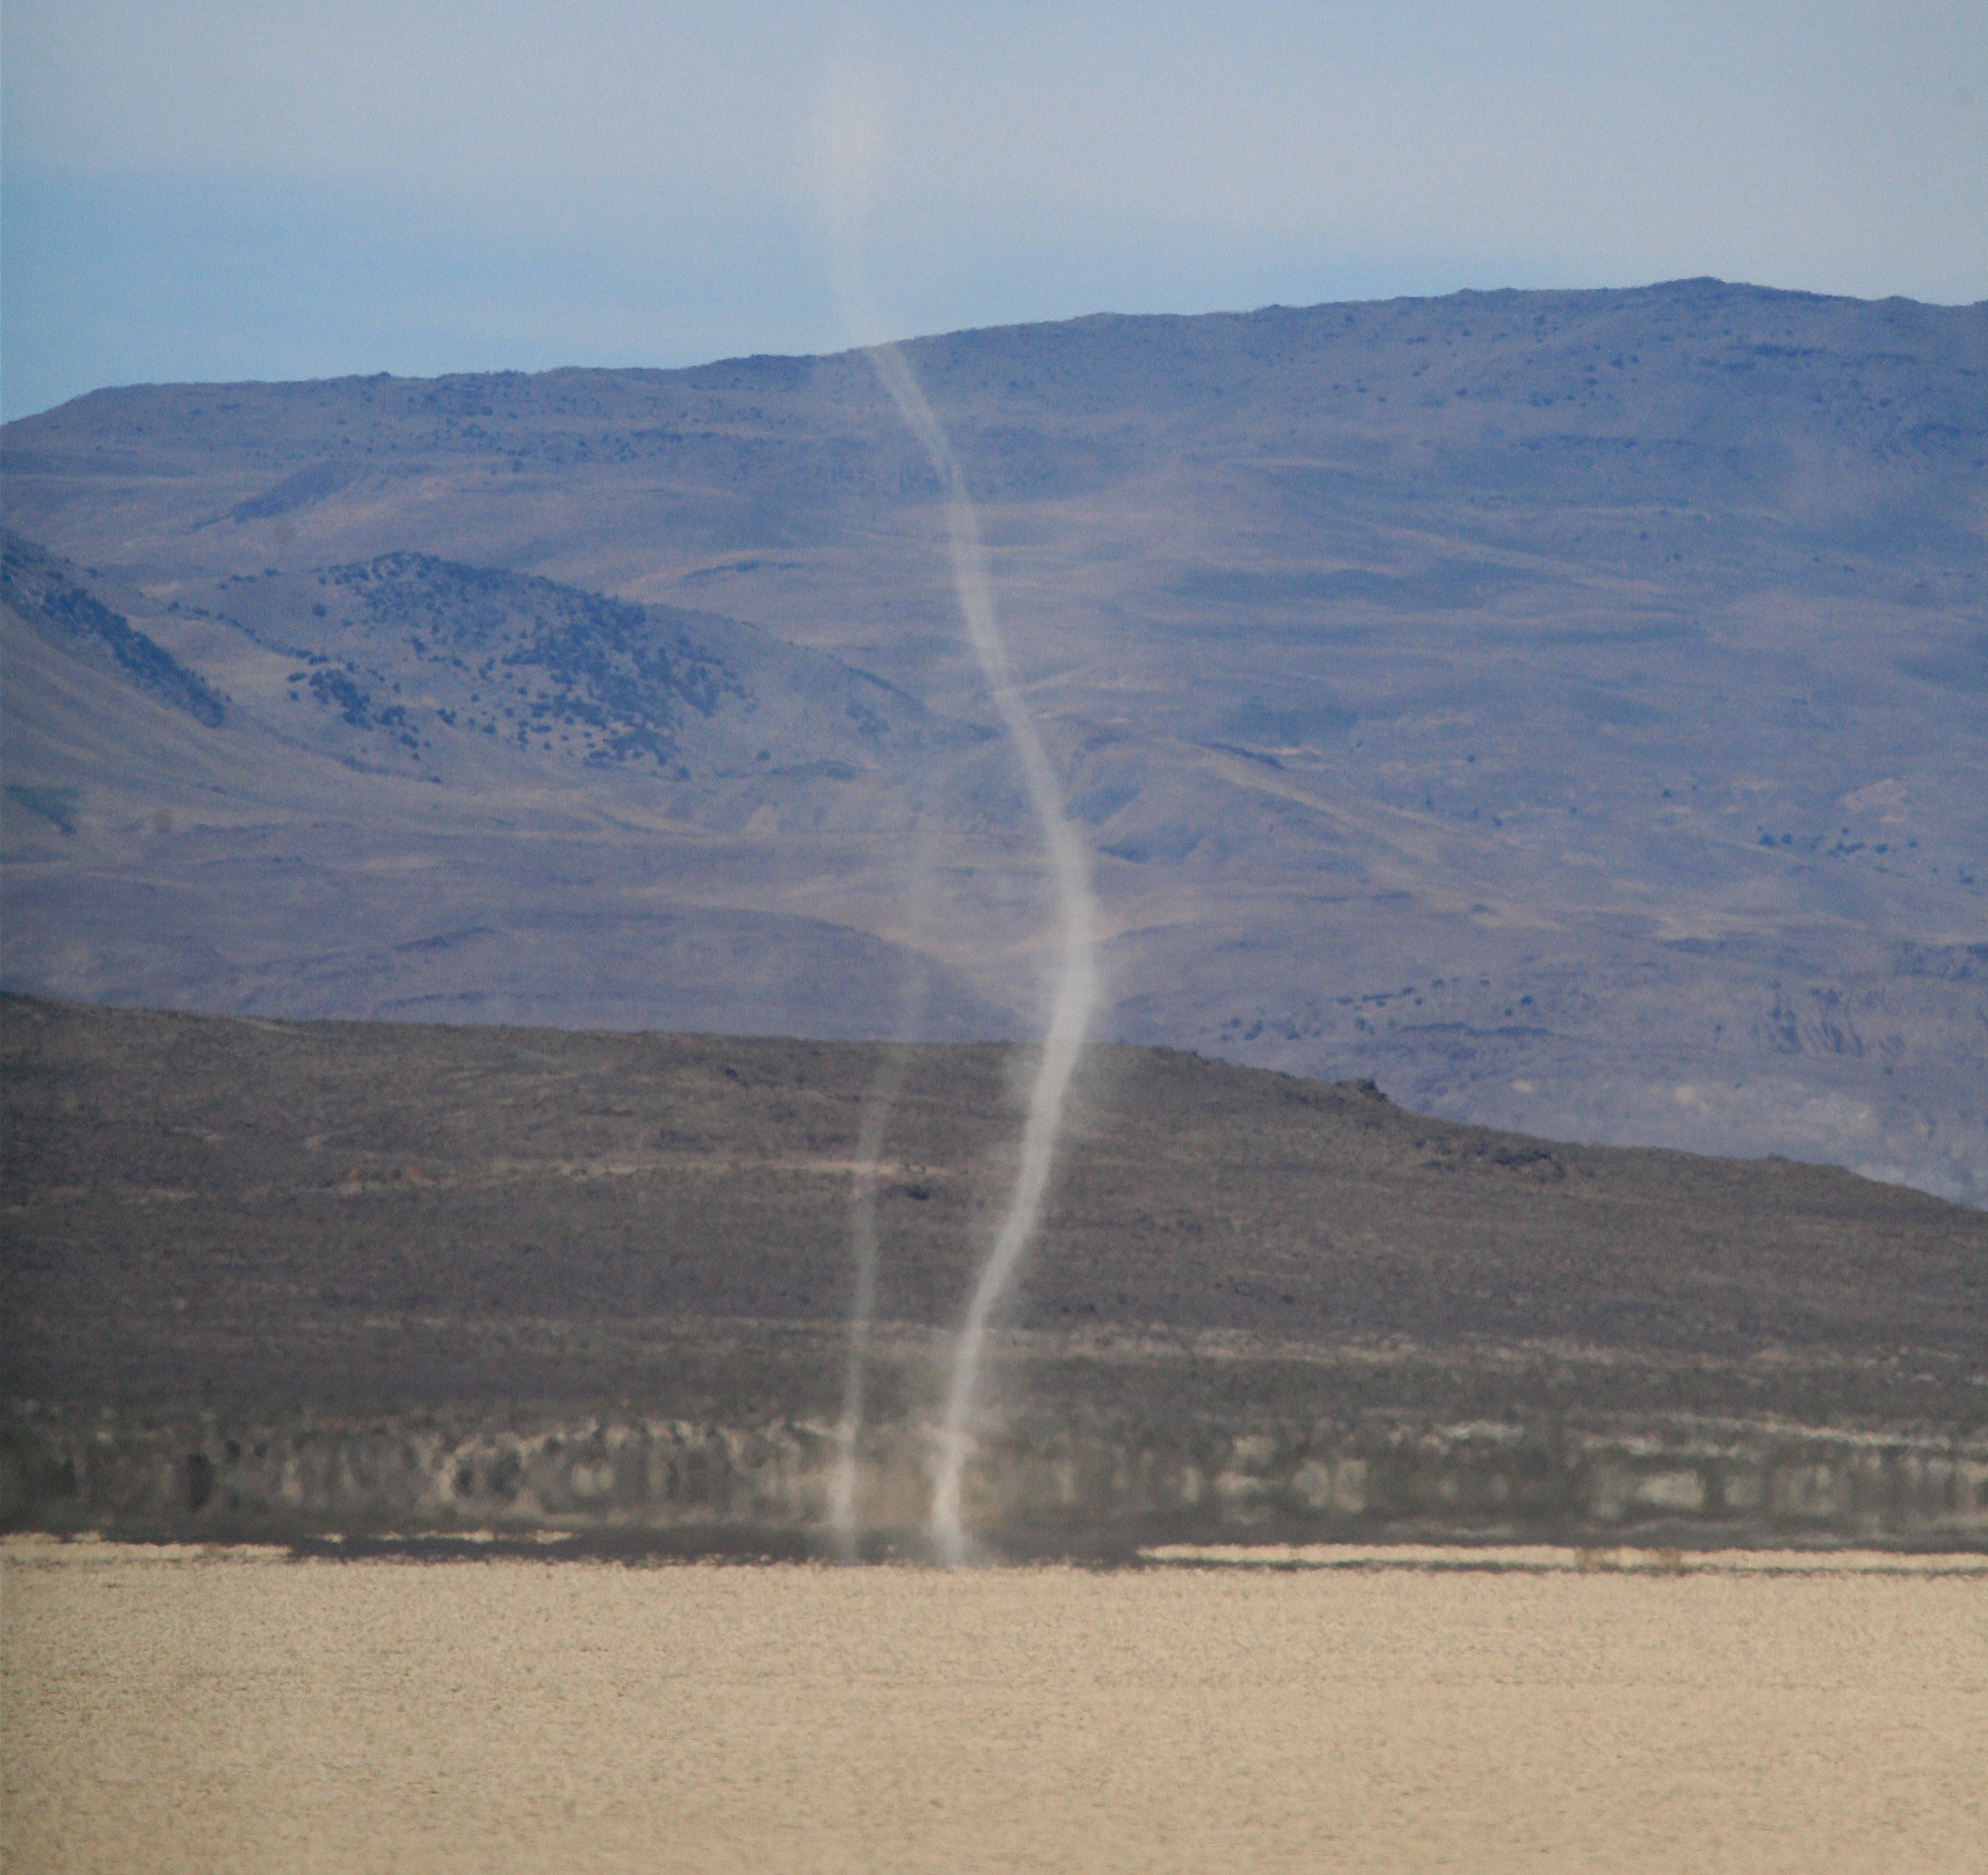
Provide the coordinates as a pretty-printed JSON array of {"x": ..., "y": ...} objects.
[{"x": 224, "y": 1711}]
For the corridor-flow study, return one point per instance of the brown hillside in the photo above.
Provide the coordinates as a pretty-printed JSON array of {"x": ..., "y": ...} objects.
[{"x": 253, "y": 1210}]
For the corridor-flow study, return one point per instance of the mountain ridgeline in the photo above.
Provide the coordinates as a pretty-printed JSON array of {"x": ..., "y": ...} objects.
[{"x": 1565, "y": 709}]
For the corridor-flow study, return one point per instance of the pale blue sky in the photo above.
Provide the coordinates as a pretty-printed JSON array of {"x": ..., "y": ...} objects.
[{"x": 206, "y": 190}]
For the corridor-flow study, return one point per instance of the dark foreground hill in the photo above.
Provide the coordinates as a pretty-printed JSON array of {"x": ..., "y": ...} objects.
[{"x": 411, "y": 1251}]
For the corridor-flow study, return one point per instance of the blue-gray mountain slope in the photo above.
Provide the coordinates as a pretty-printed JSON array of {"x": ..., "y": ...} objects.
[{"x": 1568, "y": 708}]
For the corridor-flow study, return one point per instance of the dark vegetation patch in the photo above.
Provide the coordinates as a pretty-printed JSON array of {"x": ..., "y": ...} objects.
[
  {"x": 536, "y": 657},
  {"x": 58, "y": 805},
  {"x": 306, "y": 485},
  {"x": 42, "y": 588}
]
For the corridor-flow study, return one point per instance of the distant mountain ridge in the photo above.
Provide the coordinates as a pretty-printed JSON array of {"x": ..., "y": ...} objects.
[{"x": 1567, "y": 708}]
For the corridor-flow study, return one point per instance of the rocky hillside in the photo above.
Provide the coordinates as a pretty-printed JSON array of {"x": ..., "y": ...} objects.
[{"x": 1566, "y": 710}]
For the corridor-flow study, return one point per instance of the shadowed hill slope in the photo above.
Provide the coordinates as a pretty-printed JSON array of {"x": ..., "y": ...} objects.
[{"x": 196, "y": 1202}]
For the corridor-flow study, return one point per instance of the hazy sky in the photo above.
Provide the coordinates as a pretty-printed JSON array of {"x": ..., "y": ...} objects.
[{"x": 205, "y": 190}]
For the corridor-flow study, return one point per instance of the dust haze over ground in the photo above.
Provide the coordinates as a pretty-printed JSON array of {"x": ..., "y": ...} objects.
[{"x": 1564, "y": 708}]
